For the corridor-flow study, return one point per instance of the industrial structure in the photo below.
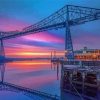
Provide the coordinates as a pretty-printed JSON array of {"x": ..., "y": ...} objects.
[
  {"x": 66, "y": 17},
  {"x": 86, "y": 54}
]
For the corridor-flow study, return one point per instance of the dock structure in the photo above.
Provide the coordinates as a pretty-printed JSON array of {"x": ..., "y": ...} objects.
[
  {"x": 65, "y": 61},
  {"x": 27, "y": 91},
  {"x": 81, "y": 80}
]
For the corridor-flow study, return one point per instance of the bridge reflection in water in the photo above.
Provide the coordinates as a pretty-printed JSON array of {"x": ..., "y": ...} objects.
[
  {"x": 26, "y": 91},
  {"x": 30, "y": 78}
]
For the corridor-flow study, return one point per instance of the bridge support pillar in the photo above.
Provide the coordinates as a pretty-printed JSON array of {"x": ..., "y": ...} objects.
[
  {"x": 2, "y": 60},
  {"x": 69, "y": 53}
]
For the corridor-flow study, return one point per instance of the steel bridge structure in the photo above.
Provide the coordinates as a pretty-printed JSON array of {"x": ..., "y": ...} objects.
[{"x": 66, "y": 17}]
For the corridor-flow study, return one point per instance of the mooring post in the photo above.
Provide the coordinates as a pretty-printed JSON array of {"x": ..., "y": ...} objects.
[
  {"x": 51, "y": 59},
  {"x": 58, "y": 70}
]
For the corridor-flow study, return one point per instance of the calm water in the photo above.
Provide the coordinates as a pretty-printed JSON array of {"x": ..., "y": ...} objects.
[{"x": 33, "y": 74}]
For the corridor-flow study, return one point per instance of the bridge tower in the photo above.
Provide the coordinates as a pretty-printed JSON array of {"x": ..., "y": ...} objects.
[
  {"x": 2, "y": 60},
  {"x": 69, "y": 53}
]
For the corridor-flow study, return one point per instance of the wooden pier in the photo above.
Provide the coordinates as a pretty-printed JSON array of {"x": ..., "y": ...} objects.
[{"x": 81, "y": 79}]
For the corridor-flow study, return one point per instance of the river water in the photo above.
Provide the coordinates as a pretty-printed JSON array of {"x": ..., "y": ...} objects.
[{"x": 35, "y": 74}]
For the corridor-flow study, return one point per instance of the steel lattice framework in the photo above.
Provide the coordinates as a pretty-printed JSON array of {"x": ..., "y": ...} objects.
[
  {"x": 66, "y": 17},
  {"x": 72, "y": 15}
]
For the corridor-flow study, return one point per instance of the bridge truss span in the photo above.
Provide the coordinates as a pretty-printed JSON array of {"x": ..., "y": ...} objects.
[
  {"x": 74, "y": 15},
  {"x": 66, "y": 17}
]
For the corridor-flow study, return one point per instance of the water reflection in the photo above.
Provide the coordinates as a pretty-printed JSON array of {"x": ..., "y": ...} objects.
[{"x": 33, "y": 74}]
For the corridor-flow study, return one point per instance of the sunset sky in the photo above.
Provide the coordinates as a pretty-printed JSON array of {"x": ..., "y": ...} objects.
[{"x": 17, "y": 14}]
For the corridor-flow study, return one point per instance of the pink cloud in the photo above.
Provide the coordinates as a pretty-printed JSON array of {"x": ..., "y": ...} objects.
[
  {"x": 44, "y": 37},
  {"x": 11, "y": 24}
]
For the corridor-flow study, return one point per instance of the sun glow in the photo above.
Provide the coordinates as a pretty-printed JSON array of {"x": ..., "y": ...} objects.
[
  {"x": 33, "y": 53},
  {"x": 31, "y": 63}
]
